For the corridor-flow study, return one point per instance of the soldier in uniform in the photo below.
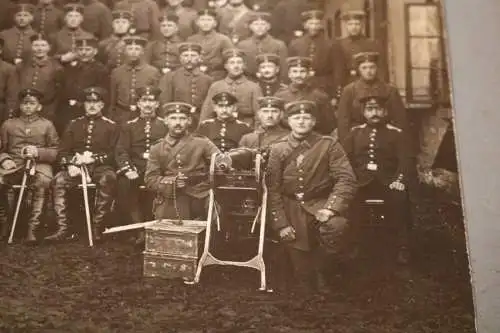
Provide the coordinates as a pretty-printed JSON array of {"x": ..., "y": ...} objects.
[
  {"x": 136, "y": 138},
  {"x": 350, "y": 112},
  {"x": 287, "y": 19},
  {"x": 177, "y": 168},
  {"x": 85, "y": 73},
  {"x": 268, "y": 73},
  {"x": 136, "y": 73},
  {"x": 381, "y": 161},
  {"x": 88, "y": 141},
  {"x": 314, "y": 45},
  {"x": 225, "y": 131},
  {"x": 187, "y": 84},
  {"x": 247, "y": 92},
  {"x": 261, "y": 43},
  {"x": 213, "y": 44},
  {"x": 187, "y": 16},
  {"x": 97, "y": 19},
  {"x": 17, "y": 43},
  {"x": 49, "y": 18},
  {"x": 234, "y": 20},
  {"x": 311, "y": 184},
  {"x": 146, "y": 17},
  {"x": 32, "y": 137},
  {"x": 164, "y": 53},
  {"x": 42, "y": 73},
  {"x": 8, "y": 97},
  {"x": 299, "y": 69},
  {"x": 112, "y": 49}
]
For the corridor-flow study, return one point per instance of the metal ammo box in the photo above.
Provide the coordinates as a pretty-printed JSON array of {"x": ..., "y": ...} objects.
[{"x": 172, "y": 251}]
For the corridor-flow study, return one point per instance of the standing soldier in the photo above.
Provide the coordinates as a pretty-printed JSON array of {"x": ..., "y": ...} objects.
[
  {"x": 136, "y": 138},
  {"x": 178, "y": 166},
  {"x": 314, "y": 45},
  {"x": 261, "y": 42},
  {"x": 48, "y": 17},
  {"x": 311, "y": 184},
  {"x": 213, "y": 44},
  {"x": 234, "y": 20},
  {"x": 88, "y": 141},
  {"x": 8, "y": 98},
  {"x": 225, "y": 131},
  {"x": 17, "y": 44},
  {"x": 299, "y": 71},
  {"x": 164, "y": 53},
  {"x": 112, "y": 49},
  {"x": 86, "y": 73},
  {"x": 42, "y": 73},
  {"x": 127, "y": 78},
  {"x": 64, "y": 45},
  {"x": 287, "y": 19},
  {"x": 187, "y": 16},
  {"x": 97, "y": 19},
  {"x": 247, "y": 92},
  {"x": 268, "y": 73},
  {"x": 29, "y": 137},
  {"x": 187, "y": 84},
  {"x": 146, "y": 17}
]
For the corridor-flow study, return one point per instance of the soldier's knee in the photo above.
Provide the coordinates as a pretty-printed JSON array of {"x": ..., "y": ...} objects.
[
  {"x": 42, "y": 181},
  {"x": 107, "y": 179},
  {"x": 61, "y": 179}
]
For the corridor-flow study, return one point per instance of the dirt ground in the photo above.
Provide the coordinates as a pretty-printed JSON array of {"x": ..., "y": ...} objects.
[{"x": 72, "y": 288}]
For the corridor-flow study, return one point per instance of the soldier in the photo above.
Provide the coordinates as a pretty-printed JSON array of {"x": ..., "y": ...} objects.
[
  {"x": 350, "y": 113},
  {"x": 226, "y": 130},
  {"x": 299, "y": 69},
  {"x": 29, "y": 137},
  {"x": 213, "y": 44},
  {"x": 97, "y": 19},
  {"x": 64, "y": 45},
  {"x": 127, "y": 78},
  {"x": 112, "y": 49},
  {"x": 8, "y": 98},
  {"x": 345, "y": 48},
  {"x": 261, "y": 42},
  {"x": 177, "y": 168},
  {"x": 287, "y": 18},
  {"x": 164, "y": 53},
  {"x": 187, "y": 16},
  {"x": 146, "y": 17},
  {"x": 311, "y": 184},
  {"x": 49, "y": 18},
  {"x": 381, "y": 161},
  {"x": 42, "y": 73},
  {"x": 314, "y": 45},
  {"x": 136, "y": 138},
  {"x": 88, "y": 141},
  {"x": 187, "y": 84},
  {"x": 247, "y": 92},
  {"x": 85, "y": 73},
  {"x": 17, "y": 39},
  {"x": 268, "y": 73},
  {"x": 234, "y": 20}
]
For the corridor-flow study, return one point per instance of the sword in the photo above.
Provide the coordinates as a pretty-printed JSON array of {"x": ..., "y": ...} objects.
[
  {"x": 129, "y": 227},
  {"x": 85, "y": 179},
  {"x": 27, "y": 171}
]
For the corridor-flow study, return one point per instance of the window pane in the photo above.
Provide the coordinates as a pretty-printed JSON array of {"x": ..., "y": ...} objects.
[
  {"x": 424, "y": 21},
  {"x": 421, "y": 83},
  {"x": 424, "y": 51}
]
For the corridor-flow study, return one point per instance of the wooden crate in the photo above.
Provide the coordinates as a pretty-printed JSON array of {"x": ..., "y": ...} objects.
[
  {"x": 169, "y": 267},
  {"x": 176, "y": 240}
]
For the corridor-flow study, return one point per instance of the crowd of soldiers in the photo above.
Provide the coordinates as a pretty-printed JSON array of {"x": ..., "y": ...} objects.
[{"x": 142, "y": 96}]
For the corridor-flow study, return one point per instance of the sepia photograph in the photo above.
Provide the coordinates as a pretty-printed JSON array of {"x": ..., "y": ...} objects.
[{"x": 201, "y": 166}]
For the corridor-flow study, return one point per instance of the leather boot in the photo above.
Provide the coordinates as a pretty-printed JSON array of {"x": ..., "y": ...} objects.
[
  {"x": 102, "y": 207},
  {"x": 60, "y": 209},
  {"x": 37, "y": 205}
]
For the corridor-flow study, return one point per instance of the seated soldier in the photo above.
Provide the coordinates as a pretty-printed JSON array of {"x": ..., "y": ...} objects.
[
  {"x": 29, "y": 137},
  {"x": 226, "y": 130},
  {"x": 88, "y": 142},
  {"x": 132, "y": 152},
  {"x": 178, "y": 166},
  {"x": 381, "y": 161}
]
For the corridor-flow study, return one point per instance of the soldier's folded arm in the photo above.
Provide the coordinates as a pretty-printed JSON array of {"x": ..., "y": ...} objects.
[
  {"x": 274, "y": 183},
  {"x": 153, "y": 177}
]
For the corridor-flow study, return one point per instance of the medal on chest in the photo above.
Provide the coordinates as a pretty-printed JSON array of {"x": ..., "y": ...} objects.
[
  {"x": 165, "y": 70},
  {"x": 299, "y": 160},
  {"x": 145, "y": 155}
]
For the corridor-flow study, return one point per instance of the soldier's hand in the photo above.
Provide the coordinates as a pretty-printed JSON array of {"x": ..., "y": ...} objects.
[
  {"x": 180, "y": 180},
  {"x": 287, "y": 234},
  {"x": 67, "y": 57},
  {"x": 323, "y": 215},
  {"x": 132, "y": 174},
  {"x": 87, "y": 158},
  {"x": 31, "y": 151},
  {"x": 397, "y": 185},
  {"x": 334, "y": 102},
  {"x": 8, "y": 164},
  {"x": 73, "y": 171}
]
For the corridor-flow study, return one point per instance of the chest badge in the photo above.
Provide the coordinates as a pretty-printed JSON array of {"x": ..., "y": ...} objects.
[
  {"x": 27, "y": 131},
  {"x": 372, "y": 166},
  {"x": 300, "y": 160}
]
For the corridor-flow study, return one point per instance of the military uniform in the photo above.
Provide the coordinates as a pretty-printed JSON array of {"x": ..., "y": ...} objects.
[
  {"x": 269, "y": 87},
  {"x": 224, "y": 134},
  {"x": 8, "y": 96},
  {"x": 48, "y": 19},
  {"x": 233, "y": 22},
  {"x": 287, "y": 19},
  {"x": 17, "y": 46},
  {"x": 187, "y": 17},
  {"x": 163, "y": 54},
  {"x": 97, "y": 19},
  {"x": 96, "y": 135},
  {"x": 262, "y": 137},
  {"x": 146, "y": 14},
  {"x": 16, "y": 134},
  {"x": 111, "y": 49},
  {"x": 188, "y": 155},
  {"x": 64, "y": 41}
]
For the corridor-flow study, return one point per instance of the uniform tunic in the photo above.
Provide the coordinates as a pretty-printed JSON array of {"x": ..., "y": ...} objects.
[
  {"x": 304, "y": 177},
  {"x": 213, "y": 45},
  {"x": 8, "y": 93},
  {"x": 65, "y": 39},
  {"x": 263, "y": 137},
  {"x": 269, "y": 88},
  {"x": 187, "y": 17},
  {"x": 111, "y": 51},
  {"x": 226, "y": 135},
  {"x": 17, "y": 44},
  {"x": 247, "y": 92},
  {"x": 163, "y": 54},
  {"x": 97, "y": 19},
  {"x": 286, "y": 18},
  {"x": 146, "y": 16},
  {"x": 48, "y": 19},
  {"x": 234, "y": 22}
]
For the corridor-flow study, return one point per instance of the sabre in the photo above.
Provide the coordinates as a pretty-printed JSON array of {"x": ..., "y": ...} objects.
[
  {"x": 27, "y": 171},
  {"x": 129, "y": 227},
  {"x": 85, "y": 179}
]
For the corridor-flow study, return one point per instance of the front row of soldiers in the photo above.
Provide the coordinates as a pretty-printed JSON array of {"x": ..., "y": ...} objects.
[{"x": 313, "y": 180}]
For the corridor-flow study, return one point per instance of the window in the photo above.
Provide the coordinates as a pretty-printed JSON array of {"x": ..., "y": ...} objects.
[{"x": 427, "y": 75}]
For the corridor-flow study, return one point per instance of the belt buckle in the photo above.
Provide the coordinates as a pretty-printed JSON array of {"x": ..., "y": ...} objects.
[
  {"x": 299, "y": 196},
  {"x": 145, "y": 155}
]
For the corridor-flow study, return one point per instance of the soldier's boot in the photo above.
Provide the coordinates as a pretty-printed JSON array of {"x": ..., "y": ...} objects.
[
  {"x": 102, "y": 207},
  {"x": 4, "y": 214},
  {"x": 60, "y": 209},
  {"x": 37, "y": 205}
]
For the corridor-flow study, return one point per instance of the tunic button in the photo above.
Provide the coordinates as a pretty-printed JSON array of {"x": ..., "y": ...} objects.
[
  {"x": 371, "y": 145},
  {"x": 302, "y": 202},
  {"x": 301, "y": 179}
]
